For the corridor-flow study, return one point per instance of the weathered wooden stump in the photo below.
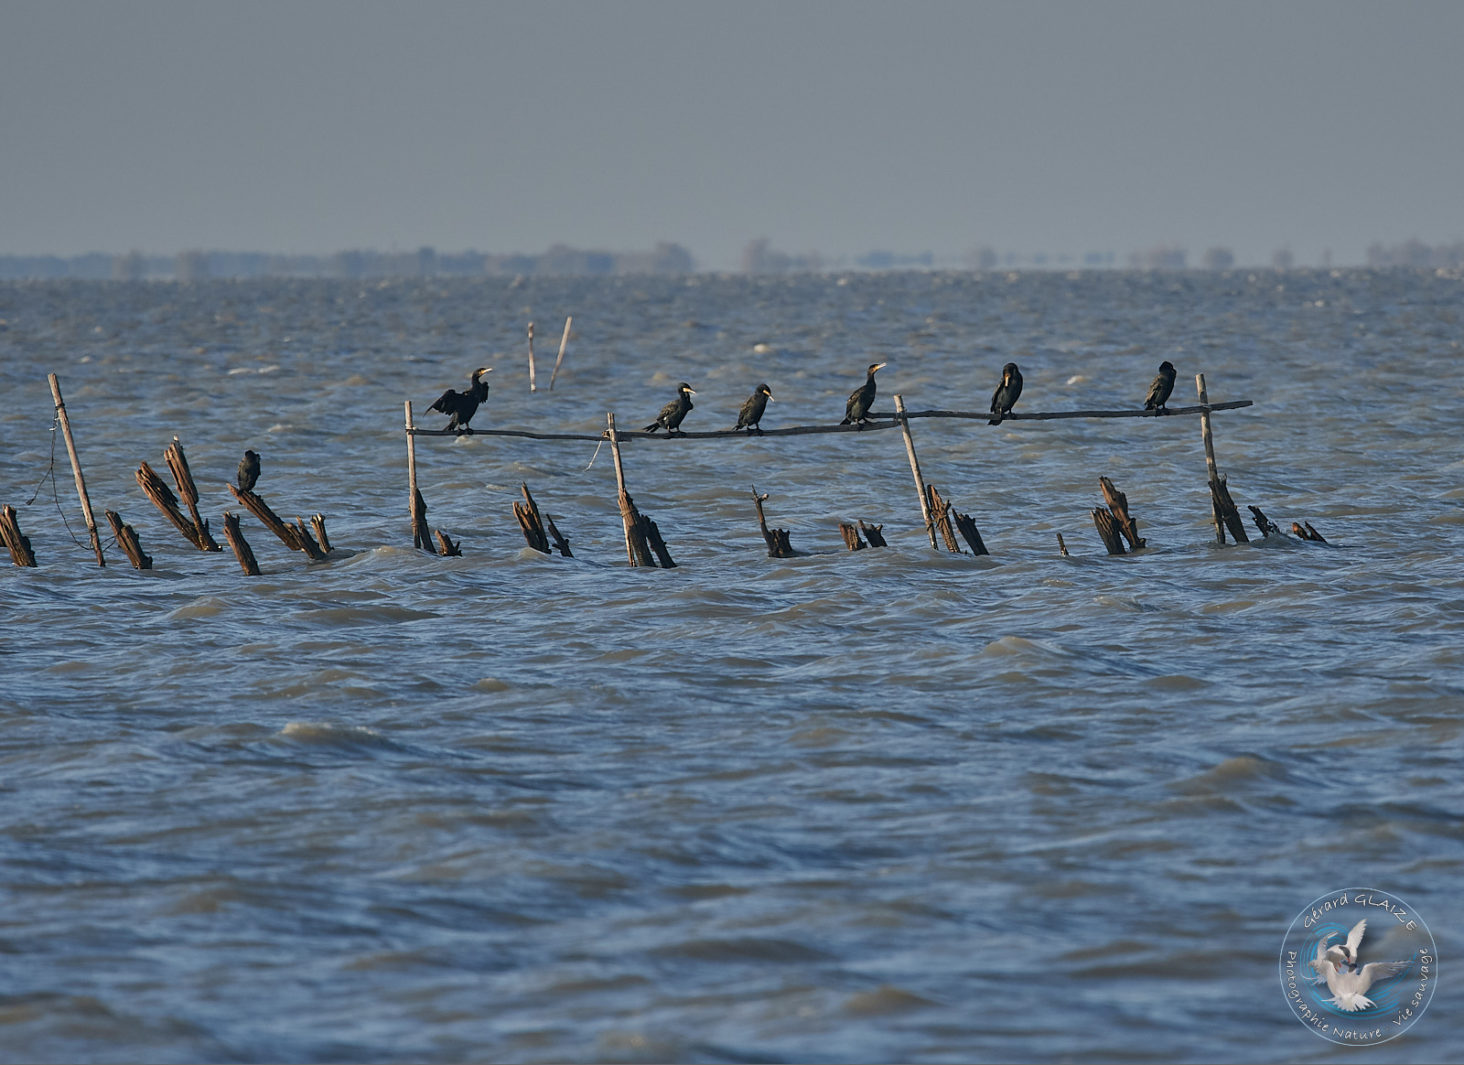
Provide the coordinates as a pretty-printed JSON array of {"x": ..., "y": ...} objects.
[
  {"x": 242, "y": 550},
  {"x": 940, "y": 518},
  {"x": 1264, "y": 525},
  {"x": 1108, "y": 528},
  {"x": 446, "y": 545},
  {"x": 966, "y": 526},
  {"x": 538, "y": 529},
  {"x": 127, "y": 539},
  {"x": 317, "y": 522},
  {"x": 652, "y": 536},
  {"x": 163, "y": 498},
  {"x": 308, "y": 543},
  {"x": 295, "y": 536},
  {"x": 776, "y": 539},
  {"x": 850, "y": 533},
  {"x": 183, "y": 477},
  {"x": 1118, "y": 507},
  {"x": 873, "y": 533},
  {"x": 1061, "y": 547},
  {"x": 1305, "y": 531},
  {"x": 16, "y": 541}
]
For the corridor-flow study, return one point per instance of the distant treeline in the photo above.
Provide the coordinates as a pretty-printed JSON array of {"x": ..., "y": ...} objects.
[
  {"x": 1416, "y": 253},
  {"x": 664, "y": 258}
]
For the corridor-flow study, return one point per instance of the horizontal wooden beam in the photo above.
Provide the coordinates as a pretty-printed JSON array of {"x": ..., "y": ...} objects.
[{"x": 876, "y": 422}]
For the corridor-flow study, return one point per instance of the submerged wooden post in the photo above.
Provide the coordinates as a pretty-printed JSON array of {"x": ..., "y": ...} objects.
[
  {"x": 637, "y": 550},
  {"x": 86, "y": 510},
  {"x": 183, "y": 477},
  {"x": 1263, "y": 523},
  {"x": 1221, "y": 504},
  {"x": 530, "y": 521},
  {"x": 127, "y": 539},
  {"x": 940, "y": 516},
  {"x": 1118, "y": 506},
  {"x": 15, "y": 541},
  {"x": 873, "y": 533},
  {"x": 563, "y": 343},
  {"x": 242, "y": 551},
  {"x": 415, "y": 507},
  {"x": 317, "y": 522},
  {"x": 915, "y": 468},
  {"x": 850, "y": 533}
]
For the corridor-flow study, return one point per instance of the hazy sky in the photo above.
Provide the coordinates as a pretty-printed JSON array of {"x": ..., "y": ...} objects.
[{"x": 837, "y": 127}]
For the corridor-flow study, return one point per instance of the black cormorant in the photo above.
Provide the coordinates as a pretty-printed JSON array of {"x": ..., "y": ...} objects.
[
  {"x": 461, "y": 406},
  {"x": 672, "y": 413},
  {"x": 248, "y": 471},
  {"x": 752, "y": 411},
  {"x": 856, "y": 411},
  {"x": 1006, "y": 394},
  {"x": 1160, "y": 389}
]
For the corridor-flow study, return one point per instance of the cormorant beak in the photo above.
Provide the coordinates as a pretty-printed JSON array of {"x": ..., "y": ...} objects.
[
  {"x": 769, "y": 393},
  {"x": 692, "y": 391},
  {"x": 879, "y": 366}
]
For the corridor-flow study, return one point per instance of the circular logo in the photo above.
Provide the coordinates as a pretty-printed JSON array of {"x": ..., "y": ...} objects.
[{"x": 1358, "y": 966}]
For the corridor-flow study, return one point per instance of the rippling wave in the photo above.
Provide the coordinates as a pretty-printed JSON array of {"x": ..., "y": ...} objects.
[{"x": 889, "y": 804}]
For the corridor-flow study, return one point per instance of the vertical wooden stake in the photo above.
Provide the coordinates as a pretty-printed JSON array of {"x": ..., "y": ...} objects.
[
  {"x": 563, "y": 342},
  {"x": 419, "y": 526},
  {"x": 626, "y": 520},
  {"x": 915, "y": 469},
  {"x": 86, "y": 510},
  {"x": 532, "y": 388},
  {"x": 1209, "y": 451}
]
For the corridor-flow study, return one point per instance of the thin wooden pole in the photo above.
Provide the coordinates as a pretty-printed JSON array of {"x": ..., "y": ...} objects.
[
  {"x": 624, "y": 500},
  {"x": 532, "y": 387},
  {"x": 563, "y": 343},
  {"x": 1210, "y": 455},
  {"x": 86, "y": 510},
  {"x": 915, "y": 469},
  {"x": 419, "y": 529}
]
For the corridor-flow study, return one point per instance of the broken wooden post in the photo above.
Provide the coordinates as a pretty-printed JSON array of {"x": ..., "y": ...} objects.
[
  {"x": 850, "y": 533},
  {"x": 183, "y": 477},
  {"x": 86, "y": 510},
  {"x": 1307, "y": 533},
  {"x": 966, "y": 526},
  {"x": 241, "y": 547},
  {"x": 776, "y": 539},
  {"x": 127, "y": 539},
  {"x": 873, "y": 533},
  {"x": 637, "y": 552},
  {"x": 1061, "y": 547},
  {"x": 652, "y": 536},
  {"x": 308, "y": 543},
  {"x": 915, "y": 468},
  {"x": 561, "y": 542},
  {"x": 446, "y": 545},
  {"x": 1264, "y": 524},
  {"x": 416, "y": 505},
  {"x": 163, "y": 498},
  {"x": 15, "y": 540},
  {"x": 1118, "y": 507},
  {"x": 1221, "y": 504},
  {"x": 940, "y": 517},
  {"x": 532, "y": 387},
  {"x": 292, "y": 536},
  {"x": 563, "y": 343},
  {"x": 1107, "y": 526},
  {"x": 530, "y": 521},
  {"x": 317, "y": 522}
]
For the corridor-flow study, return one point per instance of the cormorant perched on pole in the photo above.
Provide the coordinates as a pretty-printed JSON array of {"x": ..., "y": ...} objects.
[
  {"x": 1005, "y": 396},
  {"x": 461, "y": 406},
  {"x": 672, "y": 413},
  {"x": 752, "y": 411},
  {"x": 856, "y": 411},
  {"x": 248, "y": 471},
  {"x": 1160, "y": 389}
]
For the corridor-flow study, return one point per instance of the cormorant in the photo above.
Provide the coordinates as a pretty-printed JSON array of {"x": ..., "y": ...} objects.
[
  {"x": 672, "y": 413},
  {"x": 1160, "y": 389},
  {"x": 248, "y": 471},
  {"x": 752, "y": 410},
  {"x": 1005, "y": 396},
  {"x": 461, "y": 406},
  {"x": 856, "y": 411}
]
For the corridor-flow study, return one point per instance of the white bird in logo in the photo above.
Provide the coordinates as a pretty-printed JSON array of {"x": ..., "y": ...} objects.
[
  {"x": 1349, "y": 989},
  {"x": 1354, "y": 941}
]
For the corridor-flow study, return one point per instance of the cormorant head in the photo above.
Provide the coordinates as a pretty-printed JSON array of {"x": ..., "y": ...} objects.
[
  {"x": 876, "y": 366},
  {"x": 1008, "y": 370},
  {"x": 765, "y": 390},
  {"x": 1167, "y": 367},
  {"x": 481, "y": 371},
  {"x": 684, "y": 387}
]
